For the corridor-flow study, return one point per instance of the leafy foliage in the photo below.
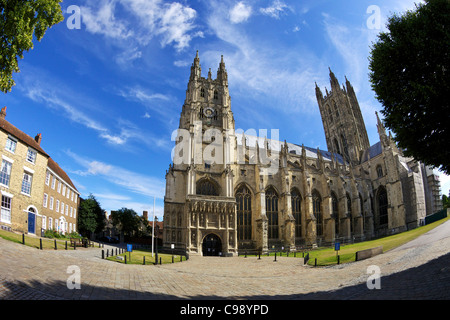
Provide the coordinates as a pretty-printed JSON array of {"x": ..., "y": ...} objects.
[
  {"x": 91, "y": 217},
  {"x": 127, "y": 220},
  {"x": 445, "y": 201},
  {"x": 19, "y": 20},
  {"x": 409, "y": 72}
]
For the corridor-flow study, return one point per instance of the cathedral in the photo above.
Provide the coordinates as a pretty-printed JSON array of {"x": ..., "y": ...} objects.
[{"x": 229, "y": 192}]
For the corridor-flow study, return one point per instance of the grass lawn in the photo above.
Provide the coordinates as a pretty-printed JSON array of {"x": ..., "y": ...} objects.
[
  {"x": 348, "y": 252},
  {"x": 34, "y": 242},
  {"x": 327, "y": 256},
  {"x": 137, "y": 257}
]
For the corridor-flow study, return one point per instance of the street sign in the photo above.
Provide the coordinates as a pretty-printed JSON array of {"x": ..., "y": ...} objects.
[
  {"x": 129, "y": 248},
  {"x": 337, "y": 246}
]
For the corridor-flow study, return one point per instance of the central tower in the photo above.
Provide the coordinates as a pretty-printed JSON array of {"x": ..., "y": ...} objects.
[
  {"x": 199, "y": 205},
  {"x": 343, "y": 123}
]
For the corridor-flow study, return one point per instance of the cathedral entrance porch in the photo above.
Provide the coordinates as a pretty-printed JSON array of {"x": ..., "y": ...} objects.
[{"x": 212, "y": 245}]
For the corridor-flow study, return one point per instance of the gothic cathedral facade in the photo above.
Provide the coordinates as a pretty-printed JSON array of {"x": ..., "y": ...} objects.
[{"x": 229, "y": 191}]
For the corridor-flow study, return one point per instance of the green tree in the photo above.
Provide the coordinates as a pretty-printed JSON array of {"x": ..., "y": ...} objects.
[
  {"x": 445, "y": 201},
  {"x": 127, "y": 220},
  {"x": 19, "y": 20},
  {"x": 91, "y": 217},
  {"x": 409, "y": 72}
]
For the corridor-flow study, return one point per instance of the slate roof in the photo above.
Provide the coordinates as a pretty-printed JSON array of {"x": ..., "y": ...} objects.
[
  {"x": 292, "y": 148},
  {"x": 21, "y": 136},
  {"x": 26, "y": 139},
  {"x": 372, "y": 152},
  {"x": 60, "y": 172}
]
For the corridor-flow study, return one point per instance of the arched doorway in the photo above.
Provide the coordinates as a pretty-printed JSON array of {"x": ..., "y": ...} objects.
[{"x": 212, "y": 245}]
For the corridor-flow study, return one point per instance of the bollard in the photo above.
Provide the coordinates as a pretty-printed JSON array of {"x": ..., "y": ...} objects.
[
  {"x": 339, "y": 259},
  {"x": 56, "y": 248},
  {"x": 40, "y": 243},
  {"x": 315, "y": 262},
  {"x": 107, "y": 253},
  {"x": 125, "y": 259},
  {"x": 103, "y": 254},
  {"x": 66, "y": 244},
  {"x": 160, "y": 260},
  {"x": 181, "y": 258},
  {"x": 259, "y": 256},
  {"x": 172, "y": 258},
  {"x": 23, "y": 238},
  {"x": 275, "y": 257},
  {"x": 143, "y": 262}
]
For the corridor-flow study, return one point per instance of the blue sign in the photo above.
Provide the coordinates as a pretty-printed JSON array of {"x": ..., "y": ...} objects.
[
  {"x": 129, "y": 248},
  {"x": 337, "y": 246}
]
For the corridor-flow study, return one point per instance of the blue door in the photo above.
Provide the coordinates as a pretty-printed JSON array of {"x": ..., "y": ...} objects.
[{"x": 31, "y": 222}]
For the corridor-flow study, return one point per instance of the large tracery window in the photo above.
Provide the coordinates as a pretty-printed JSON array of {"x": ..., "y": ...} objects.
[
  {"x": 272, "y": 213},
  {"x": 349, "y": 210},
  {"x": 297, "y": 211},
  {"x": 382, "y": 206},
  {"x": 244, "y": 213},
  {"x": 207, "y": 188},
  {"x": 335, "y": 212},
  {"x": 317, "y": 210}
]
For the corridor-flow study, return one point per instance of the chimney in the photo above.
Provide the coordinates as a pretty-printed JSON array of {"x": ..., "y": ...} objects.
[
  {"x": 3, "y": 113},
  {"x": 145, "y": 215},
  {"x": 38, "y": 138}
]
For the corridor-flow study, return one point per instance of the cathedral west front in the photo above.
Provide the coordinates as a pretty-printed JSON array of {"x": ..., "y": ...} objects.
[{"x": 229, "y": 191}]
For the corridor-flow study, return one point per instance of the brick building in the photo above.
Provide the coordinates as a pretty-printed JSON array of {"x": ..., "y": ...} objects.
[{"x": 32, "y": 184}]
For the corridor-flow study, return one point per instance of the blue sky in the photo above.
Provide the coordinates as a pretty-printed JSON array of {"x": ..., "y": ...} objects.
[{"x": 106, "y": 96}]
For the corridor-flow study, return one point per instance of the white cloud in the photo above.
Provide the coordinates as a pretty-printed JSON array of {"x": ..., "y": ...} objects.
[
  {"x": 269, "y": 73},
  {"x": 240, "y": 12},
  {"x": 175, "y": 25},
  {"x": 182, "y": 63},
  {"x": 173, "y": 22},
  {"x": 129, "y": 180},
  {"x": 275, "y": 10},
  {"x": 102, "y": 21}
]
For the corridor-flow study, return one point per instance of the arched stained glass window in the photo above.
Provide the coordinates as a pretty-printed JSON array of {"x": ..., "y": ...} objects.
[
  {"x": 272, "y": 213},
  {"x": 244, "y": 213},
  {"x": 317, "y": 211},
  {"x": 335, "y": 212},
  {"x": 297, "y": 211},
  {"x": 382, "y": 206},
  {"x": 207, "y": 188}
]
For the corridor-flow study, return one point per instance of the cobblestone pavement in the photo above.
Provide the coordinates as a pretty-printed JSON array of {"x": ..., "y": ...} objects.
[{"x": 421, "y": 271}]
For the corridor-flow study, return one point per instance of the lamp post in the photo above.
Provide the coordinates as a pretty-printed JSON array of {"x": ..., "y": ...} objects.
[{"x": 156, "y": 228}]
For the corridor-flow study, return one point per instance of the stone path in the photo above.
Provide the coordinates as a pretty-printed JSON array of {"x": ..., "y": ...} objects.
[{"x": 412, "y": 272}]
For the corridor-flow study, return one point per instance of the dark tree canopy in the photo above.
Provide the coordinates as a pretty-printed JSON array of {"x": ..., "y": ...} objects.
[
  {"x": 127, "y": 220},
  {"x": 19, "y": 20},
  {"x": 409, "y": 72},
  {"x": 91, "y": 217}
]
